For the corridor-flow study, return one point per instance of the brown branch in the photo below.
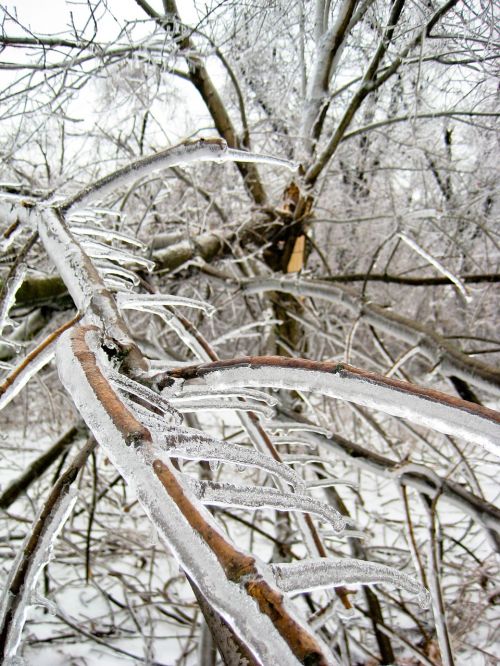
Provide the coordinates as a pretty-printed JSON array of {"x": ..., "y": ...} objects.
[
  {"x": 39, "y": 466},
  {"x": 412, "y": 281},
  {"x": 21, "y": 368}
]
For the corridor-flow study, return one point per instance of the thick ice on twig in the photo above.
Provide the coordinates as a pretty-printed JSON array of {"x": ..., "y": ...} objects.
[
  {"x": 256, "y": 497},
  {"x": 244, "y": 156},
  {"x": 106, "y": 268},
  {"x": 209, "y": 402},
  {"x": 127, "y": 385},
  {"x": 192, "y": 444},
  {"x": 188, "y": 544},
  {"x": 19, "y": 377},
  {"x": 108, "y": 235},
  {"x": 309, "y": 575},
  {"x": 98, "y": 250},
  {"x": 145, "y": 302},
  {"x": 401, "y": 399}
]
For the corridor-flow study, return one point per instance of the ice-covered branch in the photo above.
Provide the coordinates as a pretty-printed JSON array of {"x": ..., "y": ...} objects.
[
  {"x": 227, "y": 494},
  {"x": 202, "y": 150},
  {"x": 427, "y": 407},
  {"x": 192, "y": 444},
  {"x": 14, "y": 607},
  {"x": 237, "y": 586},
  {"x": 17, "y": 379},
  {"x": 317, "y": 574},
  {"x": 84, "y": 283}
]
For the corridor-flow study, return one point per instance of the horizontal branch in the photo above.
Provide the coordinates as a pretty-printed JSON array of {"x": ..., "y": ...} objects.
[
  {"x": 412, "y": 281},
  {"x": 423, "y": 406}
]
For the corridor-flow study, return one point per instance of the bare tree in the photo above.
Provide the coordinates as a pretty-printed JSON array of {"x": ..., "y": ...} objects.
[{"x": 325, "y": 420}]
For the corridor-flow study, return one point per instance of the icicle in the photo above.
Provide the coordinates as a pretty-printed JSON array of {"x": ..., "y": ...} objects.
[
  {"x": 171, "y": 320},
  {"x": 193, "y": 445},
  {"x": 108, "y": 235},
  {"x": 148, "y": 418},
  {"x": 239, "y": 332},
  {"x": 144, "y": 302},
  {"x": 326, "y": 483},
  {"x": 293, "y": 441},
  {"x": 117, "y": 285},
  {"x": 187, "y": 405},
  {"x": 196, "y": 392},
  {"x": 102, "y": 251},
  {"x": 227, "y": 494},
  {"x": 12, "y": 286},
  {"x": 243, "y": 156},
  {"x": 106, "y": 268},
  {"x": 309, "y": 575},
  {"x": 128, "y": 385},
  {"x": 305, "y": 459}
]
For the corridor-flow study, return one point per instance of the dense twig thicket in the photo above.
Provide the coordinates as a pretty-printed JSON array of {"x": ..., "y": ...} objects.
[{"x": 248, "y": 319}]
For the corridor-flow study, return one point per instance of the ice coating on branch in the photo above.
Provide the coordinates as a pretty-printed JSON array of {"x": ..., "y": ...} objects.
[
  {"x": 201, "y": 150},
  {"x": 12, "y": 286},
  {"x": 15, "y": 213},
  {"x": 309, "y": 575},
  {"x": 296, "y": 426},
  {"x": 194, "y": 392},
  {"x": 108, "y": 235},
  {"x": 21, "y": 375},
  {"x": 127, "y": 385},
  {"x": 194, "y": 445},
  {"x": 339, "y": 381},
  {"x": 106, "y": 268},
  {"x": 52, "y": 527},
  {"x": 102, "y": 251},
  {"x": 227, "y": 494},
  {"x": 145, "y": 302},
  {"x": 249, "y": 405}
]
